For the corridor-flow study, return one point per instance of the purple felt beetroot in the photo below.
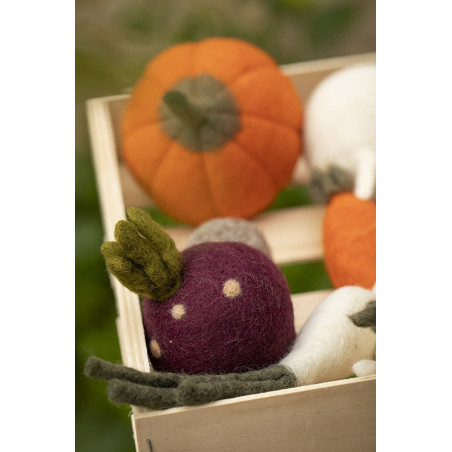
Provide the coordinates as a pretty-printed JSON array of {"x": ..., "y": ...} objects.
[{"x": 232, "y": 313}]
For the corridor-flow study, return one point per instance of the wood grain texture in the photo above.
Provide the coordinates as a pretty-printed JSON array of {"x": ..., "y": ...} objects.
[
  {"x": 304, "y": 304},
  {"x": 307, "y": 75},
  {"x": 336, "y": 416},
  {"x": 131, "y": 332},
  {"x": 293, "y": 235},
  {"x": 134, "y": 194}
]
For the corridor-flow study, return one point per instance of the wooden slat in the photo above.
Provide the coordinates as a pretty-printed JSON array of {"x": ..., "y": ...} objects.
[
  {"x": 294, "y": 235},
  {"x": 116, "y": 106},
  {"x": 131, "y": 332},
  {"x": 105, "y": 164},
  {"x": 307, "y": 75},
  {"x": 335, "y": 416},
  {"x": 135, "y": 196},
  {"x": 304, "y": 304}
]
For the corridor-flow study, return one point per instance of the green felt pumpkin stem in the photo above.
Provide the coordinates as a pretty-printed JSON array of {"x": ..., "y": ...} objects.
[
  {"x": 200, "y": 104},
  {"x": 189, "y": 113}
]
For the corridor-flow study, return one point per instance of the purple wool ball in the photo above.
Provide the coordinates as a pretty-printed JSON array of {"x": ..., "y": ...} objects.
[{"x": 233, "y": 313}]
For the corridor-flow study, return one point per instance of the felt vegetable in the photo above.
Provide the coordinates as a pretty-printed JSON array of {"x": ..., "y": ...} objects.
[
  {"x": 349, "y": 241},
  {"x": 330, "y": 342},
  {"x": 229, "y": 230},
  {"x": 212, "y": 129},
  {"x": 326, "y": 348},
  {"x": 365, "y": 367},
  {"x": 214, "y": 308},
  {"x": 340, "y": 125},
  {"x": 365, "y": 319}
]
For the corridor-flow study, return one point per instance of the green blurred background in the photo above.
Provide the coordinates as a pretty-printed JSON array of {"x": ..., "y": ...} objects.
[{"x": 114, "y": 41}]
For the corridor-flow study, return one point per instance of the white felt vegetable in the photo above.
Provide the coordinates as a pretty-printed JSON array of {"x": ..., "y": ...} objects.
[
  {"x": 365, "y": 367},
  {"x": 329, "y": 344},
  {"x": 340, "y": 125}
]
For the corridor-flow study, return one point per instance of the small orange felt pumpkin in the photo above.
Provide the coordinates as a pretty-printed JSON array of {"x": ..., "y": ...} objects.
[
  {"x": 212, "y": 129},
  {"x": 349, "y": 241}
]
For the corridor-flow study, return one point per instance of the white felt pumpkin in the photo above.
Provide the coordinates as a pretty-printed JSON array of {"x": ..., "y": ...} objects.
[{"x": 340, "y": 125}]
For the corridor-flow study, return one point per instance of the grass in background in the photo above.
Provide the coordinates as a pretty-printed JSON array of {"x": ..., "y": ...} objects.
[
  {"x": 307, "y": 277},
  {"x": 292, "y": 196}
]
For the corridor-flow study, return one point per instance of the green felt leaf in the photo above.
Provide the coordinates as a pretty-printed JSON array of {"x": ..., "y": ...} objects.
[{"x": 144, "y": 257}]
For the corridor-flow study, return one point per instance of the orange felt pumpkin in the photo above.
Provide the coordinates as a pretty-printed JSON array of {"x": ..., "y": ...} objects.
[
  {"x": 212, "y": 129},
  {"x": 349, "y": 241}
]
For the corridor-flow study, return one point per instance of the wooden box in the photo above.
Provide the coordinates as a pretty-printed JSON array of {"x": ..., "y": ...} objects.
[{"x": 334, "y": 416}]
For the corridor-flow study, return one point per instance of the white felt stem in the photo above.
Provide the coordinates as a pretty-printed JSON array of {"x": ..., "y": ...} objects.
[
  {"x": 329, "y": 343},
  {"x": 365, "y": 174},
  {"x": 365, "y": 367}
]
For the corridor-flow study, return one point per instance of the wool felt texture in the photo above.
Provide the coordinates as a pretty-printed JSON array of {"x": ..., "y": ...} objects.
[
  {"x": 212, "y": 129},
  {"x": 325, "y": 184},
  {"x": 340, "y": 126},
  {"x": 365, "y": 368},
  {"x": 200, "y": 113},
  {"x": 144, "y": 258},
  {"x": 367, "y": 318},
  {"x": 230, "y": 230},
  {"x": 222, "y": 332},
  {"x": 329, "y": 343},
  {"x": 329, "y": 347},
  {"x": 349, "y": 241},
  {"x": 160, "y": 390}
]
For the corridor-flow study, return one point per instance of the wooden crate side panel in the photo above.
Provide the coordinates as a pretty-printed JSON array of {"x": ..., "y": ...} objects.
[
  {"x": 294, "y": 235},
  {"x": 105, "y": 165},
  {"x": 117, "y": 105},
  {"x": 304, "y": 304},
  {"x": 130, "y": 326},
  {"x": 134, "y": 195},
  {"x": 338, "y": 416},
  {"x": 307, "y": 75}
]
